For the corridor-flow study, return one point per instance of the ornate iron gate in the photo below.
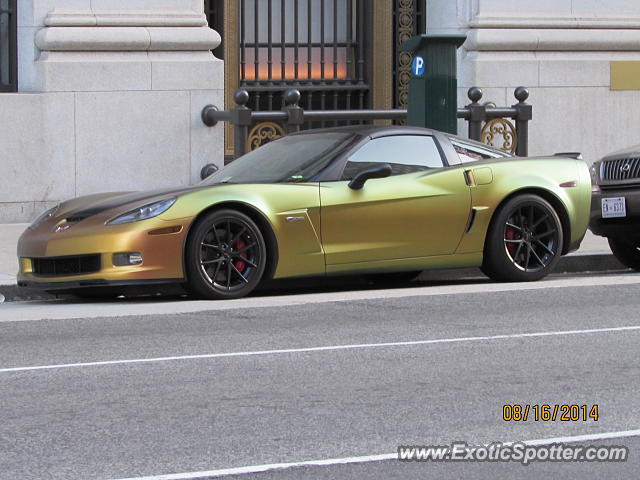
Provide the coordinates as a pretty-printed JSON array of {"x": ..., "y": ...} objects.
[
  {"x": 316, "y": 46},
  {"x": 339, "y": 54}
]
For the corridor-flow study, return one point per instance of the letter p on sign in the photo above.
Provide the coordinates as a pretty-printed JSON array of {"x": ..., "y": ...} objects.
[{"x": 418, "y": 66}]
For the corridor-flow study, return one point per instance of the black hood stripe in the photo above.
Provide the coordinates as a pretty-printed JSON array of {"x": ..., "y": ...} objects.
[{"x": 139, "y": 198}]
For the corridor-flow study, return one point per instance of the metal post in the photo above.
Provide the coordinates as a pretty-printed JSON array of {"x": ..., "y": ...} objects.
[
  {"x": 241, "y": 120},
  {"x": 524, "y": 114},
  {"x": 477, "y": 113},
  {"x": 295, "y": 113}
]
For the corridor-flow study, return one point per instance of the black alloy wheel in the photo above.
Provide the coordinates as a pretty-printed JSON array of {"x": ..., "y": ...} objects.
[
  {"x": 225, "y": 256},
  {"x": 524, "y": 242},
  {"x": 626, "y": 251}
]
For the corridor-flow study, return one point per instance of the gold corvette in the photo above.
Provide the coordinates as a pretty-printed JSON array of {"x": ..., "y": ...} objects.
[{"x": 353, "y": 200}]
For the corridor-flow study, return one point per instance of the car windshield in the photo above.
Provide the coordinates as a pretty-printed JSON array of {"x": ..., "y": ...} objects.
[{"x": 296, "y": 158}]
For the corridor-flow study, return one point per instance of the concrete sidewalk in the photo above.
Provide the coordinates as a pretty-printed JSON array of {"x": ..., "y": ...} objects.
[{"x": 594, "y": 254}]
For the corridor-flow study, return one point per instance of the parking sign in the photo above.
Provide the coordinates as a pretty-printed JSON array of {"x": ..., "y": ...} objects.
[{"x": 418, "y": 66}]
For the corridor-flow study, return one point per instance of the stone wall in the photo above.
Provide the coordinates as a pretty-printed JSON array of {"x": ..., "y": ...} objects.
[
  {"x": 110, "y": 95},
  {"x": 562, "y": 50}
]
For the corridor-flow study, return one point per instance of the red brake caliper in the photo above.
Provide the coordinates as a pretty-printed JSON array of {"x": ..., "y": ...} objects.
[
  {"x": 510, "y": 234},
  {"x": 239, "y": 264}
]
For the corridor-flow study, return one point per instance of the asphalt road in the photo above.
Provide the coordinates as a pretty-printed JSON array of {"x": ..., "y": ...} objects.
[{"x": 150, "y": 388}]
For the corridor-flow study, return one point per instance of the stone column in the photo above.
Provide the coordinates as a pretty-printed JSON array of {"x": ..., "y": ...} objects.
[{"x": 138, "y": 72}]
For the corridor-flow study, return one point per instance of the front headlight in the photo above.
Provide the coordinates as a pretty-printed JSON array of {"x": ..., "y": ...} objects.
[
  {"x": 142, "y": 213},
  {"x": 49, "y": 213},
  {"x": 595, "y": 180}
]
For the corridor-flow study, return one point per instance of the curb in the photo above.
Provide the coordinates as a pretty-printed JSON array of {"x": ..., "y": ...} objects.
[
  {"x": 13, "y": 293},
  {"x": 575, "y": 263},
  {"x": 589, "y": 262}
]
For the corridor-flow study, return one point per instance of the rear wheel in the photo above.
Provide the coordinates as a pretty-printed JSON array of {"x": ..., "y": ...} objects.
[
  {"x": 524, "y": 242},
  {"x": 628, "y": 252},
  {"x": 225, "y": 256}
]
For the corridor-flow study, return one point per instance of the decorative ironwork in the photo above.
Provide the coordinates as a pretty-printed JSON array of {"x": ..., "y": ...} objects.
[
  {"x": 406, "y": 26},
  {"x": 503, "y": 130},
  {"x": 263, "y": 133},
  {"x": 293, "y": 116},
  {"x": 8, "y": 46},
  {"x": 477, "y": 114}
]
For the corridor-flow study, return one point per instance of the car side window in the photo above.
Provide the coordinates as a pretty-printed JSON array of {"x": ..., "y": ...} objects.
[
  {"x": 471, "y": 153},
  {"x": 405, "y": 154}
]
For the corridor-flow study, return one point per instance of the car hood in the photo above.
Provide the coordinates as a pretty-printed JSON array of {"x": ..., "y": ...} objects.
[
  {"x": 625, "y": 153},
  {"x": 83, "y": 207}
]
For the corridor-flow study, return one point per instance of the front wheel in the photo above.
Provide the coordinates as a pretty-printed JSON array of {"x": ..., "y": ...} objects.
[
  {"x": 524, "y": 242},
  {"x": 225, "y": 256},
  {"x": 627, "y": 252}
]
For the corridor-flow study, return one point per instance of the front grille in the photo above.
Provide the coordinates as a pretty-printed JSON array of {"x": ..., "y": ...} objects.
[
  {"x": 64, "y": 266},
  {"x": 620, "y": 169}
]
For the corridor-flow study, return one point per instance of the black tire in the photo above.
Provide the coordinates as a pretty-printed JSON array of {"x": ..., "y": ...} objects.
[
  {"x": 524, "y": 241},
  {"x": 225, "y": 256},
  {"x": 628, "y": 252},
  {"x": 393, "y": 277}
]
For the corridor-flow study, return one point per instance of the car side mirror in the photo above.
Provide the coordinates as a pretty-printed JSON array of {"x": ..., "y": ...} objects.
[{"x": 379, "y": 171}]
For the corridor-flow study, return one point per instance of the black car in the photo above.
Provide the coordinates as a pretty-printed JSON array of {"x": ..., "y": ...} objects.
[{"x": 615, "y": 205}]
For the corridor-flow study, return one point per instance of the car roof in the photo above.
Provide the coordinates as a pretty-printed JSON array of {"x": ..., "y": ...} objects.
[
  {"x": 372, "y": 130},
  {"x": 627, "y": 152},
  {"x": 375, "y": 131}
]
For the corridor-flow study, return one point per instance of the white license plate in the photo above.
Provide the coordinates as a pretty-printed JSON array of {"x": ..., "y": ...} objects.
[{"x": 614, "y": 207}]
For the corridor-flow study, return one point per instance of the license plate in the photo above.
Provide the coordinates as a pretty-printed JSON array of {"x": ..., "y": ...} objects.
[{"x": 614, "y": 207}]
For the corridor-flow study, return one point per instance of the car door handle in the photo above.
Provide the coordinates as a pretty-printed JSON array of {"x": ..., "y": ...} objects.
[{"x": 469, "y": 178}]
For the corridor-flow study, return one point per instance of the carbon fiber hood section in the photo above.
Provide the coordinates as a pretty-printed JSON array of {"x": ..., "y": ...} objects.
[{"x": 85, "y": 207}]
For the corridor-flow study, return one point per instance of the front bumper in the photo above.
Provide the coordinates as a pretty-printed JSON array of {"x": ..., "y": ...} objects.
[
  {"x": 627, "y": 227},
  {"x": 98, "y": 284},
  {"x": 162, "y": 254}
]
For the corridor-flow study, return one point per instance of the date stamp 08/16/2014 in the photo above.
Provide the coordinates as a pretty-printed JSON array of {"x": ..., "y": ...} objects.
[{"x": 550, "y": 413}]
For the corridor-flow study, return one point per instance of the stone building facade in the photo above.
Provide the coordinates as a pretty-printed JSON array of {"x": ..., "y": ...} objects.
[
  {"x": 573, "y": 55},
  {"x": 109, "y": 92},
  {"x": 109, "y": 99}
]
